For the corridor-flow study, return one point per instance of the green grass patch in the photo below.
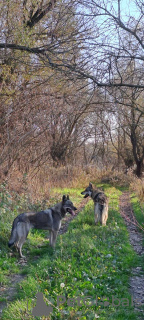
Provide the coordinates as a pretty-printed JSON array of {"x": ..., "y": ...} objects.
[
  {"x": 86, "y": 276},
  {"x": 138, "y": 208},
  {"x": 75, "y": 194}
]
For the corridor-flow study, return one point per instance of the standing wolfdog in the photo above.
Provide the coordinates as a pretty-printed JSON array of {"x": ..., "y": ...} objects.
[
  {"x": 49, "y": 219},
  {"x": 100, "y": 203}
]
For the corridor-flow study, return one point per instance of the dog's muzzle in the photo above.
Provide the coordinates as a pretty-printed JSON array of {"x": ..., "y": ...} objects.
[
  {"x": 85, "y": 194},
  {"x": 71, "y": 211}
]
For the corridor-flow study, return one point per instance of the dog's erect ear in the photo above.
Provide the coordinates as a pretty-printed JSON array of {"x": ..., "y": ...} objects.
[
  {"x": 64, "y": 198},
  {"x": 90, "y": 184},
  {"x": 67, "y": 197}
]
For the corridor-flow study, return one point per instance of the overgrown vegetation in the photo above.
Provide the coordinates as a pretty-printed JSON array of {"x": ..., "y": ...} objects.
[
  {"x": 69, "y": 93},
  {"x": 89, "y": 268}
]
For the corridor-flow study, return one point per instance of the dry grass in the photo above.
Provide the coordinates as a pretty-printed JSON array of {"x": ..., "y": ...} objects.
[
  {"x": 119, "y": 178},
  {"x": 138, "y": 187},
  {"x": 38, "y": 185}
]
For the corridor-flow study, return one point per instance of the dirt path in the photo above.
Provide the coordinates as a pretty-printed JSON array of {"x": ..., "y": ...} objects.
[
  {"x": 136, "y": 239},
  {"x": 9, "y": 293}
]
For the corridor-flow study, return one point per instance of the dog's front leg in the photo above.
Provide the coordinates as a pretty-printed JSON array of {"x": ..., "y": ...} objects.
[
  {"x": 51, "y": 237},
  {"x": 54, "y": 238}
]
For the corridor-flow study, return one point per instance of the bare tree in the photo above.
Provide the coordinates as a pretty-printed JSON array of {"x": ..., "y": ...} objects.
[
  {"x": 85, "y": 50},
  {"x": 101, "y": 28}
]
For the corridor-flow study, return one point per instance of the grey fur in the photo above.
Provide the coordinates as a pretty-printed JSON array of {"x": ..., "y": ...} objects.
[
  {"x": 49, "y": 219},
  {"x": 100, "y": 204}
]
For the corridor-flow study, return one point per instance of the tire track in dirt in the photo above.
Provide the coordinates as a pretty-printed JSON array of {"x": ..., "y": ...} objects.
[
  {"x": 136, "y": 240},
  {"x": 8, "y": 293}
]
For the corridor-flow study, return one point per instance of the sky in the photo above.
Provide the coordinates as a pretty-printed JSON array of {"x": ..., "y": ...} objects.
[{"x": 128, "y": 7}]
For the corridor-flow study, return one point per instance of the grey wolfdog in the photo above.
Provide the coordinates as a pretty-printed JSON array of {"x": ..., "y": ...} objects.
[
  {"x": 100, "y": 203},
  {"x": 49, "y": 219}
]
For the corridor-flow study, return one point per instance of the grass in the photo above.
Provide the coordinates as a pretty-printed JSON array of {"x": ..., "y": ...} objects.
[
  {"x": 138, "y": 208},
  {"x": 85, "y": 274}
]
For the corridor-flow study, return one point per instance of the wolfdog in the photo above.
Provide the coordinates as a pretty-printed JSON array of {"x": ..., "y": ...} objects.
[
  {"x": 49, "y": 219},
  {"x": 100, "y": 203}
]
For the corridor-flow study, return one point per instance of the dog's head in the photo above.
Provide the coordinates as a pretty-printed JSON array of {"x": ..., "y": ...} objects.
[
  {"x": 88, "y": 191},
  {"x": 68, "y": 205}
]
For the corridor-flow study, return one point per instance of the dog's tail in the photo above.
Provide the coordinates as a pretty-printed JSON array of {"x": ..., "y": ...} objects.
[{"x": 13, "y": 236}]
